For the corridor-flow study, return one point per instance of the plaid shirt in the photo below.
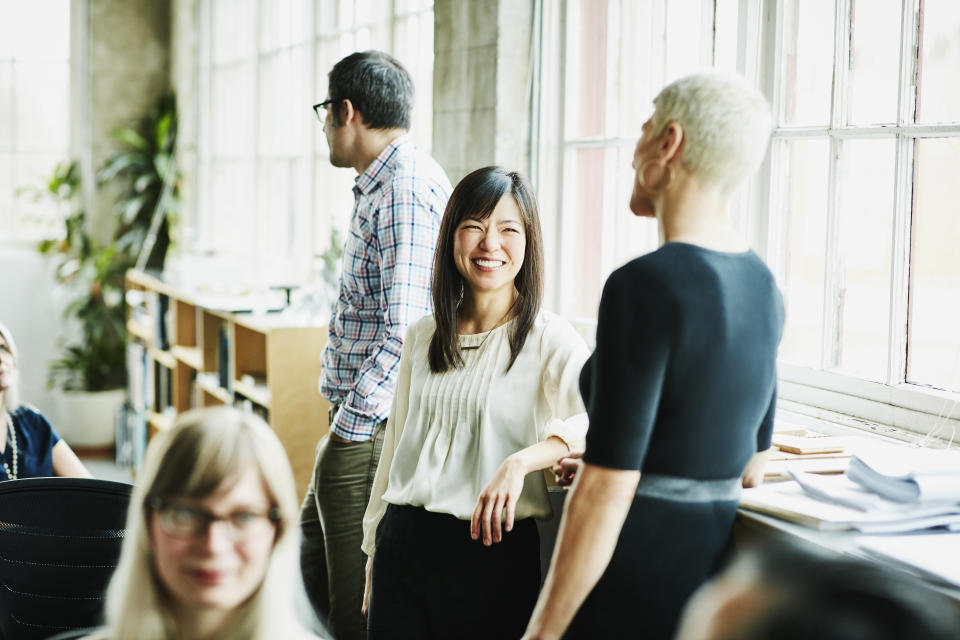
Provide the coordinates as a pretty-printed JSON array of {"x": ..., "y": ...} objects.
[{"x": 385, "y": 284}]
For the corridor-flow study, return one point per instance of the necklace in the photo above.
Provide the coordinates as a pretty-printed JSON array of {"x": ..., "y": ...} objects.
[
  {"x": 11, "y": 475},
  {"x": 498, "y": 323}
]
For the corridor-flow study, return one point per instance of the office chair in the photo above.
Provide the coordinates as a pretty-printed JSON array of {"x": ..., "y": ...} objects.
[{"x": 60, "y": 540}]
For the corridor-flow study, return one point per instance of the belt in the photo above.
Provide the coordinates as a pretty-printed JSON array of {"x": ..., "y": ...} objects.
[{"x": 688, "y": 489}]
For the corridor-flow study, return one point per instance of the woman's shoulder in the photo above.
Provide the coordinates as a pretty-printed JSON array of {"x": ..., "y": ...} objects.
[
  {"x": 421, "y": 327},
  {"x": 556, "y": 331},
  {"x": 28, "y": 415}
]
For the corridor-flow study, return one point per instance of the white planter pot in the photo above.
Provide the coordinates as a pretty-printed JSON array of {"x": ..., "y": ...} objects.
[{"x": 88, "y": 418}]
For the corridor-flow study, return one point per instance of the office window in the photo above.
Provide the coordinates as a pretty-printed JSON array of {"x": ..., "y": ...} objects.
[
  {"x": 602, "y": 62},
  {"x": 266, "y": 192},
  {"x": 854, "y": 209},
  {"x": 34, "y": 111},
  {"x": 863, "y": 224}
]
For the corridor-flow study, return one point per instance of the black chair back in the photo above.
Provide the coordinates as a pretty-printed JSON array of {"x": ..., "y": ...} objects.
[{"x": 60, "y": 540}]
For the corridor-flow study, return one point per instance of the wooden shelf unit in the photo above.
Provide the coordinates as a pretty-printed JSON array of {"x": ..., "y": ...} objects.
[{"x": 209, "y": 357}]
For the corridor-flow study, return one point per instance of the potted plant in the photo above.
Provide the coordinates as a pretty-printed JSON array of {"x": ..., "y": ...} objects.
[{"x": 91, "y": 373}]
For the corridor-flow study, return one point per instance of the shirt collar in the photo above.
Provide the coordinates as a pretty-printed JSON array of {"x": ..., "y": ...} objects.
[{"x": 369, "y": 180}]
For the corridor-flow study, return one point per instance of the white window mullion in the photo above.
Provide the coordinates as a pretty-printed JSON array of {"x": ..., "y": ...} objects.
[
  {"x": 833, "y": 272},
  {"x": 612, "y": 124},
  {"x": 566, "y": 218},
  {"x": 259, "y": 220},
  {"x": 903, "y": 198},
  {"x": 317, "y": 94}
]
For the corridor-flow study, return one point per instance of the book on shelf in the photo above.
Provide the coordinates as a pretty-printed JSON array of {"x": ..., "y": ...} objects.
[
  {"x": 223, "y": 358},
  {"x": 791, "y": 501},
  {"x": 907, "y": 474}
]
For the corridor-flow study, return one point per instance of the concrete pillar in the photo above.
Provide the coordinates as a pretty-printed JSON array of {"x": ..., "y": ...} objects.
[
  {"x": 481, "y": 84},
  {"x": 122, "y": 66}
]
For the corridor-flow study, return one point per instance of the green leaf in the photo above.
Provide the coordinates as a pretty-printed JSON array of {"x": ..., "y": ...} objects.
[{"x": 130, "y": 137}]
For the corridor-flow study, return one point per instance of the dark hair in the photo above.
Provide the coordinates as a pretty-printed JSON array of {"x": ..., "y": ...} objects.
[
  {"x": 477, "y": 196},
  {"x": 377, "y": 85},
  {"x": 834, "y": 597}
]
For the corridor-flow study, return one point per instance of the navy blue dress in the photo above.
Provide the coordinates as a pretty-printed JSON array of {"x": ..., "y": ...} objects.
[
  {"x": 682, "y": 387},
  {"x": 35, "y": 441}
]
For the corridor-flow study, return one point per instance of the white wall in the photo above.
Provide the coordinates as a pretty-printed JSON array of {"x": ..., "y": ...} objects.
[{"x": 31, "y": 305}]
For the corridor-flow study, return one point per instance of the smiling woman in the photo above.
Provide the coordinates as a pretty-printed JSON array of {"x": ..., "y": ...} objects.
[
  {"x": 486, "y": 397},
  {"x": 213, "y": 544}
]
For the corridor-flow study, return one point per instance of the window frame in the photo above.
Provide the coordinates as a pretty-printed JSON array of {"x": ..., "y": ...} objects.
[
  {"x": 13, "y": 233},
  {"x": 317, "y": 221},
  {"x": 895, "y": 406}
]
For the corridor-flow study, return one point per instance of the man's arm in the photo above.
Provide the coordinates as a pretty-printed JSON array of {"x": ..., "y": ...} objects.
[{"x": 592, "y": 519}]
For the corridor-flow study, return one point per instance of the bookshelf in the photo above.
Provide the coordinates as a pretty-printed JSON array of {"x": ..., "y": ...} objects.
[{"x": 186, "y": 351}]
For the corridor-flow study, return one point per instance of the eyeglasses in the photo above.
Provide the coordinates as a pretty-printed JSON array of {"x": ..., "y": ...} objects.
[
  {"x": 183, "y": 521},
  {"x": 320, "y": 108}
]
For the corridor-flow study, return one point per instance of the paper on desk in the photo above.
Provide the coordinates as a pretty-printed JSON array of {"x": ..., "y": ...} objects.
[
  {"x": 935, "y": 555},
  {"x": 789, "y": 501},
  {"x": 907, "y": 474}
]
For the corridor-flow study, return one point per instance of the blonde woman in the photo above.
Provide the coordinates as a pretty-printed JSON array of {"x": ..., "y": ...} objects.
[
  {"x": 681, "y": 388},
  {"x": 212, "y": 545},
  {"x": 29, "y": 447}
]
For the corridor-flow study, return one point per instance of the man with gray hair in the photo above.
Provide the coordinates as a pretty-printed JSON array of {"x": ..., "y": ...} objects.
[{"x": 400, "y": 195}]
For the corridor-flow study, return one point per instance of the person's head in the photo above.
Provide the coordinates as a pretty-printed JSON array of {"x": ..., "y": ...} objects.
[
  {"x": 211, "y": 531},
  {"x": 371, "y": 90},
  {"x": 715, "y": 126},
  {"x": 490, "y": 242},
  {"x": 787, "y": 593},
  {"x": 9, "y": 376}
]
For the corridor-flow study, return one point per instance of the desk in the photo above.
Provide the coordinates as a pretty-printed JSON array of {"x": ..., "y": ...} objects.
[{"x": 752, "y": 526}]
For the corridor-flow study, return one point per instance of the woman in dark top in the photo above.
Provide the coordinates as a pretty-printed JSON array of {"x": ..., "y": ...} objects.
[
  {"x": 681, "y": 388},
  {"x": 29, "y": 447}
]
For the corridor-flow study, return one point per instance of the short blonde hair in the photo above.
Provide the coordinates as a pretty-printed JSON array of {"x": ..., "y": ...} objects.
[
  {"x": 205, "y": 448},
  {"x": 11, "y": 397},
  {"x": 727, "y": 125}
]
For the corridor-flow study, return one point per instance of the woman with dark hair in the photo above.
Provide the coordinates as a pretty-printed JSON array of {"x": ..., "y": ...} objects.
[{"x": 486, "y": 396}]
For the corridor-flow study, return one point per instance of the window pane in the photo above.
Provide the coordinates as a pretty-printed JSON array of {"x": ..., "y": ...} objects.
[
  {"x": 6, "y": 114},
  {"x": 637, "y": 80},
  {"x": 874, "y": 61},
  {"x": 939, "y": 94},
  {"x": 807, "y": 65},
  {"x": 726, "y": 39},
  {"x": 685, "y": 38},
  {"x": 865, "y": 222},
  {"x": 586, "y": 68},
  {"x": 43, "y": 105},
  {"x": 39, "y": 29},
  {"x": 934, "y": 342},
  {"x": 582, "y": 221},
  {"x": 805, "y": 177}
]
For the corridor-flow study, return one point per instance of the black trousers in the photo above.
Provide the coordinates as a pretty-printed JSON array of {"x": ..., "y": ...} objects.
[{"x": 431, "y": 580}]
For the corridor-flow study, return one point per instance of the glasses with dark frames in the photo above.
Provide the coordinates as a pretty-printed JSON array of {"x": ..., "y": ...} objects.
[
  {"x": 183, "y": 521},
  {"x": 321, "y": 107}
]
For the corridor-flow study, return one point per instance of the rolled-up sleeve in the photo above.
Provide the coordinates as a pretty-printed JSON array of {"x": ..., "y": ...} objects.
[{"x": 564, "y": 354}]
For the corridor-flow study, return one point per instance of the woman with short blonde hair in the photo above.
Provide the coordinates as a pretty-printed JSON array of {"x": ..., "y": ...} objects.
[{"x": 681, "y": 388}]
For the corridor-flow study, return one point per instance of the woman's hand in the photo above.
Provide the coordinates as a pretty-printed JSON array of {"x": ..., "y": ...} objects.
[
  {"x": 753, "y": 474},
  {"x": 566, "y": 468},
  {"x": 499, "y": 496},
  {"x": 367, "y": 586}
]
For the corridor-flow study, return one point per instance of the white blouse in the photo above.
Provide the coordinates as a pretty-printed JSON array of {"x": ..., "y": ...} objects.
[{"x": 448, "y": 433}]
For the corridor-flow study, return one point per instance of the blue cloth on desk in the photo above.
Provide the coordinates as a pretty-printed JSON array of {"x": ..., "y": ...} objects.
[{"x": 35, "y": 442}]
